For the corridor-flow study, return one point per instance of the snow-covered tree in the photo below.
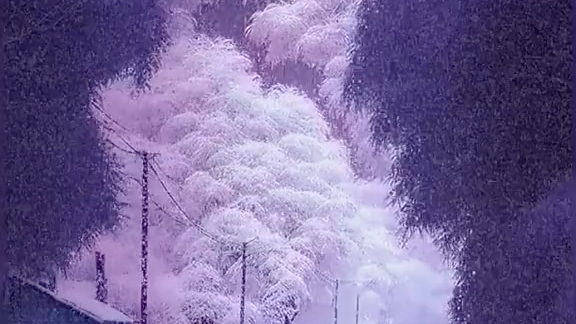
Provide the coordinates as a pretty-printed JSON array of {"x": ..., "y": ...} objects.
[
  {"x": 301, "y": 43},
  {"x": 249, "y": 163},
  {"x": 319, "y": 35}
]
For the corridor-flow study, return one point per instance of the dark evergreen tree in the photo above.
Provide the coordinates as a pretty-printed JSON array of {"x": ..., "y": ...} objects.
[
  {"x": 476, "y": 96},
  {"x": 62, "y": 182},
  {"x": 3, "y": 105},
  {"x": 528, "y": 278}
]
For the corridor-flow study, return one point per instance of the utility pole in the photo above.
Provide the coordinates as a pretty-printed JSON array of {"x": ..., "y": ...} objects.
[
  {"x": 144, "y": 259},
  {"x": 336, "y": 303},
  {"x": 101, "y": 289},
  {"x": 243, "y": 297},
  {"x": 357, "y": 306}
]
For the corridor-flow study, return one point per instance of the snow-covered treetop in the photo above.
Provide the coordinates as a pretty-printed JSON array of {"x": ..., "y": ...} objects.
[{"x": 314, "y": 32}]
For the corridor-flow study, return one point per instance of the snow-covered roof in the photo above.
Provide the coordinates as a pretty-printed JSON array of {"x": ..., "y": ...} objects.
[
  {"x": 102, "y": 312},
  {"x": 94, "y": 309}
]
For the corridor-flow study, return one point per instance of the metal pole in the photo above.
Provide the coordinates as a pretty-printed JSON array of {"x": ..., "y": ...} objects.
[
  {"x": 144, "y": 259},
  {"x": 336, "y": 303},
  {"x": 243, "y": 297}
]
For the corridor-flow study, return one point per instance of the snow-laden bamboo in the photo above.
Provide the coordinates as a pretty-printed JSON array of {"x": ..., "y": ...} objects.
[{"x": 246, "y": 162}]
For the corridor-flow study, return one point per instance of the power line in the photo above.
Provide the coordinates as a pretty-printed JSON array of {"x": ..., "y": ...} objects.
[
  {"x": 315, "y": 271},
  {"x": 107, "y": 127},
  {"x": 179, "y": 221},
  {"x": 162, "y": 170},
  {"x": 120, "y": 148},
  {"x": 188, "y": 220},
  {"x": 111, "y": 119},
  {"x": 131, "y": 177},
  {"x": 160, "y": 207},
  {"x": 134, "y": 150},
  {"x": 187, "y": 217},
  {"x": 321, "y": 275},
  {"x": 157, "y": 204}
]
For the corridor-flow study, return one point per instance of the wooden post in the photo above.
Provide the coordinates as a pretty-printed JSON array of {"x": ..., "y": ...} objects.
[
  {"x": 336, "y": 303},
  {"x": 101, "y": 289},
  {"x": 243, "y": 296},
  {"x": 144, "y": 258}
]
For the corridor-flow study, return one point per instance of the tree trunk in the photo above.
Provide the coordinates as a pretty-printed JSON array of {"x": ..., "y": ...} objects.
[
  {"x": 573, "y": 218},
  {"x": 3, "y": 202}
]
